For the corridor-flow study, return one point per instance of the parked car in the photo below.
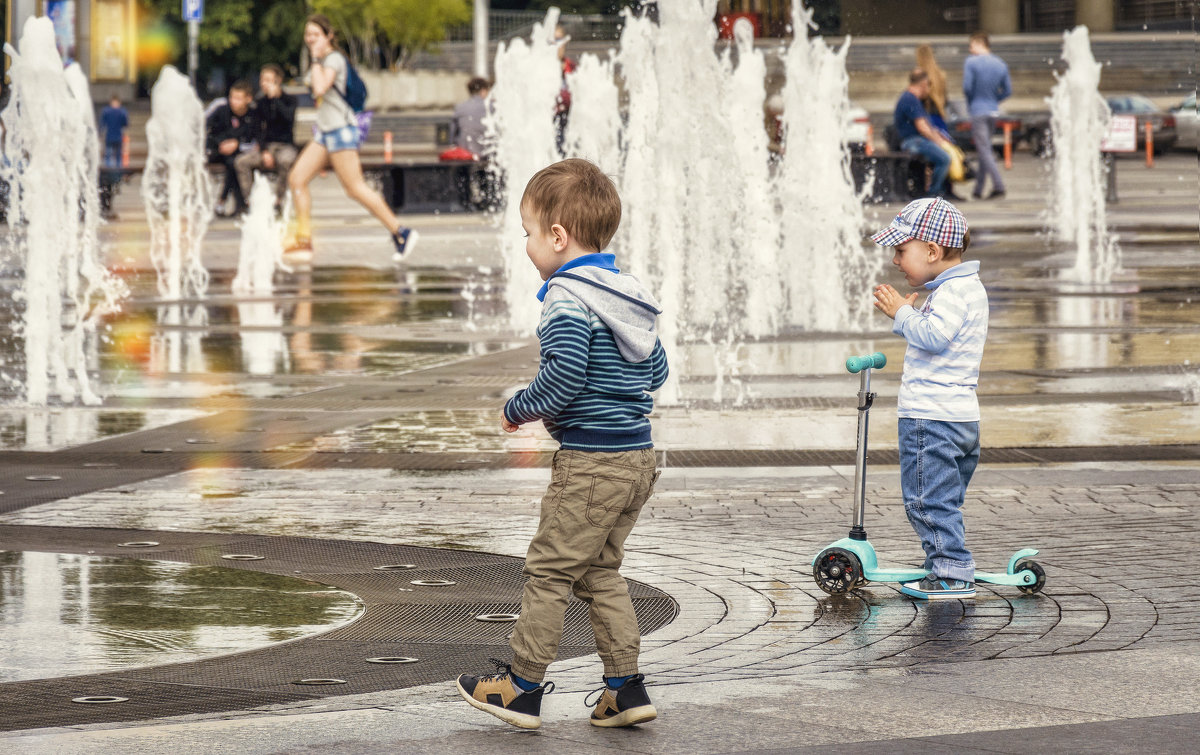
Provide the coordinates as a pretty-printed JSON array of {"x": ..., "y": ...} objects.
[
  {"x": 958, "y": 123},
  {"x": 1162, "y": 124},
  {"x": 1187, "y": 124}
]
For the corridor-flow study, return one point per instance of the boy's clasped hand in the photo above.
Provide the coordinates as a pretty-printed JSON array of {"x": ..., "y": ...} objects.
[{"x": 889, "y": 301}]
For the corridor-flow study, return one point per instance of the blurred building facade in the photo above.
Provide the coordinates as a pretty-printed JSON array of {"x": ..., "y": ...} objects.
[
  {"x": 101, "y": 35},
  {"x": 772, "y": 18}
]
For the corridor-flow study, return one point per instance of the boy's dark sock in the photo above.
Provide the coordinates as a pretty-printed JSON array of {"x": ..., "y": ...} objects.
[
  {"x": 524, "y": 684},
  {"x": 616, "y": 682}
]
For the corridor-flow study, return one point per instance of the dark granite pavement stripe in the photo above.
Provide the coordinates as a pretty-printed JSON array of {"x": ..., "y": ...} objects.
[{"x": 1158, "y": 734}]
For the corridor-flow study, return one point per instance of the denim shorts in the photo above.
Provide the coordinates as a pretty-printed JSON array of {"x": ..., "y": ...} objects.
[{"x": 340, "y": 139}]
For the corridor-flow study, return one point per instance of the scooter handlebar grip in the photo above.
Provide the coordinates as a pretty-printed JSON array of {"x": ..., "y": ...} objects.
[{"x": 866, "y": 361}]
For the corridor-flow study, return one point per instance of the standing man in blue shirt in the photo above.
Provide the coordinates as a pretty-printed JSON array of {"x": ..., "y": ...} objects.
[
  {"x": 985, "y": 83},
  {"x": 113, "y": 120},
  {"x": 917, "y": 135}
]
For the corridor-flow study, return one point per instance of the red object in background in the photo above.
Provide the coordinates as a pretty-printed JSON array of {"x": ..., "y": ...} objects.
[
  {"x": 726, "y": 21},
  {"x": 456, "y": 154}
]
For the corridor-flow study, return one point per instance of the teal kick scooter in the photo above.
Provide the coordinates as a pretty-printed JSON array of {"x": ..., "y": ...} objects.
[{"x": 851, "y": 563}]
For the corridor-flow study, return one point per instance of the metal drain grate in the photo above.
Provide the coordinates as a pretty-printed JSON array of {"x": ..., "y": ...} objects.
[
  {"x": 42, "y": 703},
  {"x": 445, "y": 636}
]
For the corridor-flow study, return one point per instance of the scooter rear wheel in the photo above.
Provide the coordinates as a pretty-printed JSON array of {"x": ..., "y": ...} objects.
[
  {"x": 1038, "y": 572},
  {"x": 837, "y": 571}
]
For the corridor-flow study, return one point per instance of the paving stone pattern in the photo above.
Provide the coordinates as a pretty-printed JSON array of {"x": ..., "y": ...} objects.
[{"x": 734, "y": 551}]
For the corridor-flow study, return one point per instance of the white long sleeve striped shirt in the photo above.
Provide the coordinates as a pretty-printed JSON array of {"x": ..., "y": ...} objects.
[{"x": 945, "y": 346}]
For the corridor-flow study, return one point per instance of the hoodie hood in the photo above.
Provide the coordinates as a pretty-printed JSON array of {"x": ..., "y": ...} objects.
[{"x": 621, "y": 301}]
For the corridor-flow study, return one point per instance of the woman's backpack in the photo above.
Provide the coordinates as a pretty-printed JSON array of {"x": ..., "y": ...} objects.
[{"x": 356, "y": 91}]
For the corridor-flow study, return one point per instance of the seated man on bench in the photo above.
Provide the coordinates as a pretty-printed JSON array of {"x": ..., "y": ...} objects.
[
  {"x": 916, "y": 135},
  {"x": 231, "y": 131},
  {"x": 274, "y": 147}
]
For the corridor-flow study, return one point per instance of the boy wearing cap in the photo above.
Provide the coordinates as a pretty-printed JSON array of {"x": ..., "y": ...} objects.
[{"x": 937, "y": 406}]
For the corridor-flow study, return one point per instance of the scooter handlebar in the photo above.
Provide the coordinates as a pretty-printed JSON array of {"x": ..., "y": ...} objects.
[{"x": 866, "y": 361}]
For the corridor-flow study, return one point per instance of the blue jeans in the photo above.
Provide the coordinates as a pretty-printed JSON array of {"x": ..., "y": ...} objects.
[
  {"x": 937, "y": 157},
  {"x": 982, "y": 127},
  {"x": 112, "y": 154},
  {"x": 340, "y": 139},
  {"x": 937, "y": 460}
]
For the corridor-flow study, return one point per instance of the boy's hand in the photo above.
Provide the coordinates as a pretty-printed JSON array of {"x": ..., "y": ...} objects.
[
  {"x": 889, "y": 301},
  {"x": 507, "y": 426}
]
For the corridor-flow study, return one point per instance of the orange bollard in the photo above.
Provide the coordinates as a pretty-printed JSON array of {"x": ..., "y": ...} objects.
[
  {"x": 869, "y": 146},
  {"x": 125, "y": 150},
  {"x": 1007, "y": 146},
  {"x": 1149, "y": 144},
  {"x": 387, "y": 147}
]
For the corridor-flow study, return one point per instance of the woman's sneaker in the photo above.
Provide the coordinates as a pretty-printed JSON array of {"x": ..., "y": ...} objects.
[
  {"x": 626, "y": 706},
  {"x": 939, "y": 588},
  {"x": 405, "y": 240},
  {"x": 496, "y": 694}
]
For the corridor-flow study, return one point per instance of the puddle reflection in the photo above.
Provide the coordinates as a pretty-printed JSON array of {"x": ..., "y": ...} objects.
[
  {"x": 64, "y": 615},
  {"x": 53, "y": 429}
]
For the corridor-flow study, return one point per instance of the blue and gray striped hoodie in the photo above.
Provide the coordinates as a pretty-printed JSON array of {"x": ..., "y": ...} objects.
[{"x": 600, "y": 359}]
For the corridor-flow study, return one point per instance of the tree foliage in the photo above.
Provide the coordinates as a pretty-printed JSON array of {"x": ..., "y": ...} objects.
[
  {"x": 225, "y": 23},
  {"x": 387, "y": 33}
]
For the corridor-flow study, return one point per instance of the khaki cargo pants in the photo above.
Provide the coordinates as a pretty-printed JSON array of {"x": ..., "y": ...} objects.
[{"x": 591, "y": 505}]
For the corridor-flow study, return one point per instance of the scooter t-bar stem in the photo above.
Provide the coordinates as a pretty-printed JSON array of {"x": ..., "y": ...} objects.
[
  {"x": 865, "y": 399},
  {"x": 862, "y": 365}
]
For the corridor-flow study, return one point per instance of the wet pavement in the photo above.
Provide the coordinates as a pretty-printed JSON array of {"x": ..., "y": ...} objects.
[{"x": 250, "y": 410}]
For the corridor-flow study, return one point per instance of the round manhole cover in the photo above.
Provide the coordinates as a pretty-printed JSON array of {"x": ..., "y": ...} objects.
[
  {"x": 498, "y": 618},
  {"x": 242, "y": 557},
  {"x": 318, "y": 682},
  {"x": 99, "y": 464},
  {"x": 199, "y": 441},
  {"x": 42, "y": 477},
  {"x": 99, "y": 699},
  {"x": 156, "y": 450},
  {"x": 395, "y": 567},
  {"x": 138, "y": 544},
  {"x": 432, "y": 582},
  {"x": 392, "y": 659}
]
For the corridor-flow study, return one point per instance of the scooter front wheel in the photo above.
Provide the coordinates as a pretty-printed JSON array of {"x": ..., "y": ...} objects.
[
  {"x": 1038, "y": 572},
  {"x": 837, "y": 571}
]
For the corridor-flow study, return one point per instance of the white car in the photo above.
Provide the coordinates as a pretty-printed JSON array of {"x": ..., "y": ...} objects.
[
  {"x": 1187, "y": 123},
  {"x": 859, "y": 128}
]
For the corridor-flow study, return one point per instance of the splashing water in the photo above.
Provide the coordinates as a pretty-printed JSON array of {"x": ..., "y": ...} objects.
[
  {"x": 528, "y": 79},
  {"x": 52, "y": 164},
  {"x": 261, "y": 251},
  {"x": 177, "y": 194},
  {"x": 734, "y": 252},
  {"x": 261, "y": 248},
  {"x": 175, "y": 187},
  {"x": 1079, "y": 117}
]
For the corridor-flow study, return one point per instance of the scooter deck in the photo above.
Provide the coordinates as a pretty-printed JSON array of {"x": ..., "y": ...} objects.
[{"x": 873, "y": 573}]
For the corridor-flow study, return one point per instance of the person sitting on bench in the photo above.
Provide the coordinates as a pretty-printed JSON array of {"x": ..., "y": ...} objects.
[
  {"x": 917, "y": 136},
  {"x": 274, "y": 146}
]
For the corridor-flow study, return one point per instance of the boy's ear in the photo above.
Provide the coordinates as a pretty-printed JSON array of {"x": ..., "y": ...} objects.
[
  {"x": 561, "y": 237},
  {"x": 935, "y": 251}
]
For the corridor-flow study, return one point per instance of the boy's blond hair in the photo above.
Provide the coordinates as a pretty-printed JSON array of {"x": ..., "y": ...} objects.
[{"x": 578, "y": 196}]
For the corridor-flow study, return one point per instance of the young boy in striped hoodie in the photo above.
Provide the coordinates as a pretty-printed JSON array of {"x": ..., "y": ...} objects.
[
  {"x": 937, "y": 407},
  {"x": 600, "y": 359}
]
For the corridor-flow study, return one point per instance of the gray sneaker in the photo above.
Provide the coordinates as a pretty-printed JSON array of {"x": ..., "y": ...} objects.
[{"x": 939, "y": 588}]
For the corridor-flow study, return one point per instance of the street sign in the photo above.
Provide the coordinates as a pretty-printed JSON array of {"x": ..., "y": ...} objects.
[
  {"x": 193, "y": 10},
  {"x": 1121, "y": 135}
]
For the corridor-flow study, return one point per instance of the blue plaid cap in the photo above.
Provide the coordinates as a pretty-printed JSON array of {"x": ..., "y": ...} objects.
[{"x": 931, "y": 219}]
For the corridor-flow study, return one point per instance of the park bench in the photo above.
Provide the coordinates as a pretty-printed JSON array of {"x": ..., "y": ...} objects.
[
  {"x": 899, "y": 176},
  {"x": 441, "y": 186}
]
